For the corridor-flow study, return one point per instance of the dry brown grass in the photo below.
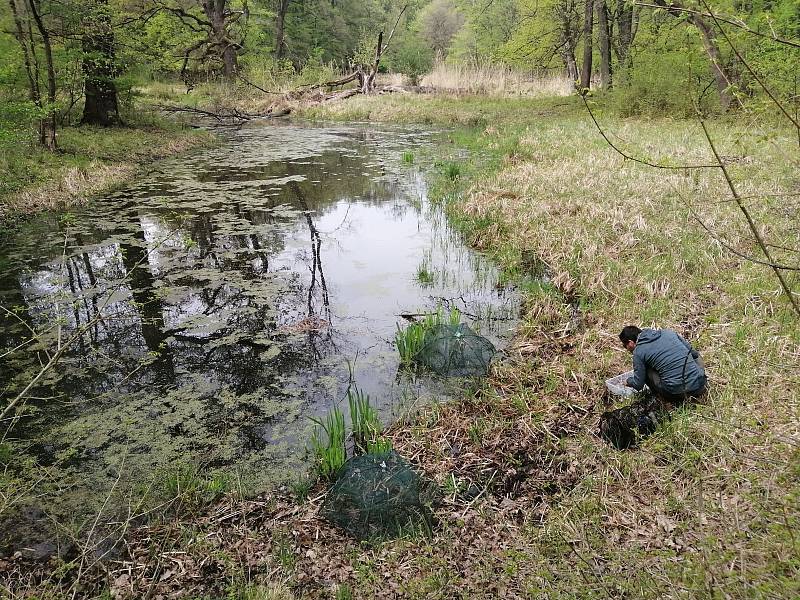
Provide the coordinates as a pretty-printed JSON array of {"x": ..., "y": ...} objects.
[
  {"x": 74, "y": 185},
  {"x": 495, "y": 80}
]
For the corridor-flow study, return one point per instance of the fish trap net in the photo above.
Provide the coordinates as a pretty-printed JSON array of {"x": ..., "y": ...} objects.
[
  {"x": 379, "y": 496},
  {"x": 455, "y": 351}
]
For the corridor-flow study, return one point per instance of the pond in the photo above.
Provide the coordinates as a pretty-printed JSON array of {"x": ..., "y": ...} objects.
[{"x": 206, "y": 311}]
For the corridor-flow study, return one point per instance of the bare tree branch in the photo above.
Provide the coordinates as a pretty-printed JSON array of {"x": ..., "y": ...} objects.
[
  {"x": 753, "y": 229},
  {"x": 723, "y": 19},
  {"x": 640, "y": 160}
]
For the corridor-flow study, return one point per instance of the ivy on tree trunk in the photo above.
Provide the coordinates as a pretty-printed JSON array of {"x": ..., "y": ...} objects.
[{"x": 99, "y": 69}]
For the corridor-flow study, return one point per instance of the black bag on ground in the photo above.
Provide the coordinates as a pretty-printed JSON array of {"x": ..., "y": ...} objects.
[{"x": 624, "y": 427}]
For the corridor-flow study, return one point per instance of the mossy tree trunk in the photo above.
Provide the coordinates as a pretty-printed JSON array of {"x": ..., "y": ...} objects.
[
  {"x": 221, "y": 18},
  {"x": 99, "y": 69}
]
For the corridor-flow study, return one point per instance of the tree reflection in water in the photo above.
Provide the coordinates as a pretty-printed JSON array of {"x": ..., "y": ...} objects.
[{"x": 226, "y": 291}]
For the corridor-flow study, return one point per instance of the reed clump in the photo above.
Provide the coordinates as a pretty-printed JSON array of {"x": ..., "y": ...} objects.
[
  {"x": 411, "y": 340},
  {"x": 496, "y": 80},
  {"x": 328, "y": 443},
  {"x": 329, "y": 438}
]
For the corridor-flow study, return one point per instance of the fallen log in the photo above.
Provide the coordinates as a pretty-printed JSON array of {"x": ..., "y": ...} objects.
[{"x": 224, "y": 116}]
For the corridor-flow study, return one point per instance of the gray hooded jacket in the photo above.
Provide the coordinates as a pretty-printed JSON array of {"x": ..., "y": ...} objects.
[{"x": 672, "y": 357}]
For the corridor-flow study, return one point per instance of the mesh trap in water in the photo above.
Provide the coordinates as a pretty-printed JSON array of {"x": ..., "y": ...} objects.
[
  {"x": 456, "y": 351},
  {"x": 379, "y": 496}
]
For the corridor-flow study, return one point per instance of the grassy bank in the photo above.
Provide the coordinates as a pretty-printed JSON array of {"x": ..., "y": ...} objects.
[
  {"x": 707, "y": 507},
  {"x": 90, "y": 161}
]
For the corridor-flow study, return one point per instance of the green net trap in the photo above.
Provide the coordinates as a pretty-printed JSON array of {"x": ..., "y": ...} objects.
[
  {"x": 456, "y": 351},
  {"x": 379, "y": 496}
]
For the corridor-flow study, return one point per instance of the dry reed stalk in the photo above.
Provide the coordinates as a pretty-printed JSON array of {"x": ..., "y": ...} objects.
[{"x": 492, "y": 79}]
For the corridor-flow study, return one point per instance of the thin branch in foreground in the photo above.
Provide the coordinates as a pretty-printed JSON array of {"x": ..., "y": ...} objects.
[
  {"x": 728, "y": 20},
  {"x": 730, "y": 248},
  {"x": 633, "y": 158},
  {"x": 753, "y": 229}
]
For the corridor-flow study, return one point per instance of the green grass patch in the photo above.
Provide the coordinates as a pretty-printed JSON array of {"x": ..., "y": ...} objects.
[
  {"x": 411, "y": 340},
  {"x": 329, "y": 438},
  {"x": 88, "y": 159},
  {"x": 424, "y": 275},
  {"x": 328, "y": 443}
]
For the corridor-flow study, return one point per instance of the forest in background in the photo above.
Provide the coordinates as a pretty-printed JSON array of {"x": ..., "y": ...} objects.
[{"x": 69, "y": 62}]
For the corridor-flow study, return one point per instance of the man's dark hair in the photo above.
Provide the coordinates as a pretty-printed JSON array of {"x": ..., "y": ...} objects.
[{"x": 629, "y": 334}]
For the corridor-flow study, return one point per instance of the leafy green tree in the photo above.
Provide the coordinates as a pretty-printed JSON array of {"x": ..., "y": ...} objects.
[
  {"x": 411, "y": 57},
  {"x": 439, "y": 22}
]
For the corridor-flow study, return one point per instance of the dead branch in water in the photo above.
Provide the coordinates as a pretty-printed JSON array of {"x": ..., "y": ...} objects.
[
  {"x": 363, "y": 74},
  {"x": 223, "y": 116}
]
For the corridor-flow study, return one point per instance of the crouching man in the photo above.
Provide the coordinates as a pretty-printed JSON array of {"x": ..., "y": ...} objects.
[{"x": 666, "y": 362}]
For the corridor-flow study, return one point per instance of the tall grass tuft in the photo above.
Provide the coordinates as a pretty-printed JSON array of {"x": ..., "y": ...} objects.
[
  {"x": 410, "y": 341},
  {"x": 192, "y": 488},
  {"x": 452, "y": 170},
  {"x": 366, "y": 426},
  {"x": 330, "y": 453},
  {"x": 424, "y": 275}
]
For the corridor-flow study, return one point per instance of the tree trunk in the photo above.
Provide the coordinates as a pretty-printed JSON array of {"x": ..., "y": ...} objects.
[
  {"x": 99, "y": 69},
  {"x": 626, "y": 31},
  {"x": 33, "y": 84},
  {"x": 722, "y": 76},
  {"x": 571, "y": 66},
  {"x": 369, "y": 81},
  {"x": 604, "y": 41},
  {"x": 588, "y": 24},
  {"x": 47, "y": 126},
  {"x": 280, "y": 28},
  {"x": 215, "y": 11},
  {"x": 564, "y": 14},
  {"x": 229, "y": 62}
]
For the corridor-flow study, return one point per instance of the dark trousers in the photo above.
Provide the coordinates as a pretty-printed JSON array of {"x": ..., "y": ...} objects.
[{"x": 654, "y": 383}]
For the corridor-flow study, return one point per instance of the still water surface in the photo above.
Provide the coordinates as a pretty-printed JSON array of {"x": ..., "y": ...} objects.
[{"x": 223, "y": 299}]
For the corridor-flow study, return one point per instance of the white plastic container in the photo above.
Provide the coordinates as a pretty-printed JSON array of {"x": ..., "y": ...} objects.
[{"x": 616, "y": 385}]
